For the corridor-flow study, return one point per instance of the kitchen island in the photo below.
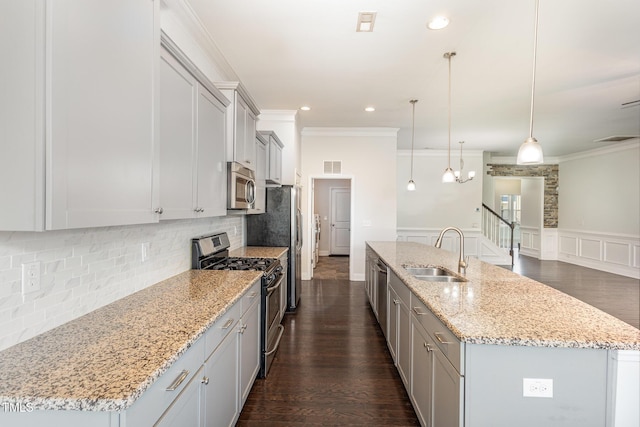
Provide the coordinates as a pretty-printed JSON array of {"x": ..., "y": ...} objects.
[
  {"x": 498, "y": 337},
  {"x": 95, "y": 369}
]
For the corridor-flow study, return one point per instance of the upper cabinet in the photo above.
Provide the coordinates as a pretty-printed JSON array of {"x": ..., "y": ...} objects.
[
  {"x": 241, "y": 124},
  {"x": 274, "y": 162},
  {"x": 78, "y": 113},
  {"x": 262, "y": 148},
  {"x": 193, "y": 173}
]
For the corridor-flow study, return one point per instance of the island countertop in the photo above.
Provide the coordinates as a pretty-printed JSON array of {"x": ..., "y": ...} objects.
[
  {"x": 497, "y": 306},
  {"x": 104, "y": 360}
]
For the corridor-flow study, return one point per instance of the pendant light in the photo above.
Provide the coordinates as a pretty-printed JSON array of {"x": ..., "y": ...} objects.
[
  {"x": 458, "y": 173},
  {"x": 411, "y": 186},
  {"x": 530, "y": 152},
  {"x": 448, "y": 175}
]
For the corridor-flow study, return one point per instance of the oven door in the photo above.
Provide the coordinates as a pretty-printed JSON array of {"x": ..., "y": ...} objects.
[
  {"x": 241, "y": 192},
  {"x": 272, "y": 329}
]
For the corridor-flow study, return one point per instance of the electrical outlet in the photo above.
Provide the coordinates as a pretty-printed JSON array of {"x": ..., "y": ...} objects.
[
  {"x": 30, "y": 277},
  {"x": 537, "y": 387},
  {"x": 145, "y": 252}
]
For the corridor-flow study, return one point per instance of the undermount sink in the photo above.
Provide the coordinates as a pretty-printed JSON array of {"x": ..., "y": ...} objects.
[{"x": 433, "y": 274}]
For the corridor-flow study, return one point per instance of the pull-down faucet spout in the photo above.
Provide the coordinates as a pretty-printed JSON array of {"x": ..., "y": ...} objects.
[{"x": 462, "y": 263}]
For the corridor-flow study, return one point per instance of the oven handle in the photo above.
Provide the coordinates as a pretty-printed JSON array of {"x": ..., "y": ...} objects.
[
  {"x": 267, "y": 353},
  {"x": 270, "y": 289}
]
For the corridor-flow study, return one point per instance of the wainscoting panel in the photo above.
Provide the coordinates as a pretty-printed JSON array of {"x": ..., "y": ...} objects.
[{"x": 615, "y": 253}]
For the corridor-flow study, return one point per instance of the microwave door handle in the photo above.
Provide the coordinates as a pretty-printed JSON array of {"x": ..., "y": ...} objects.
[{"x": 250, "y": 194}]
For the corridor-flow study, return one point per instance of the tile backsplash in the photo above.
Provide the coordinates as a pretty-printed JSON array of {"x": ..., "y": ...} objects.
[{"x": 84, "y": 269}]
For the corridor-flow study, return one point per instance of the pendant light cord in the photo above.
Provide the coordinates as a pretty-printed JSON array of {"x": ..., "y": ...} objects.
[
  {"x": 449, "y": 55},
  {"x": 533, "y": 78},
  {"x": 413, "y": 131}
]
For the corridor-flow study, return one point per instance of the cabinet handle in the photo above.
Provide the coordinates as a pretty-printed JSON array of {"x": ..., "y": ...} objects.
[
  {"x": 417, "y": 311},
  {"x": 201, "y": 209},
  {"x": 176, "y": 383},
  {"x": 252, "y": 294},
  {"x": 242, "y": 329},
  {"x": 227, "y": 324},
  {"x": 396, "y": 302},
  {"x": 205, "y": 380},
  {"x": 428, "y": 347},
  {"x": 159, "y": 211},
  {"x": 440, "y": 339}
]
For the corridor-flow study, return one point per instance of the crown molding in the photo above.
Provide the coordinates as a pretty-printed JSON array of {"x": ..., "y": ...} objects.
[
  {"x": 279, "y": 115},
  {"x": 441, "y": 153},
  {"x": 623, "y": 146},
  {"x": 350, "y": 131}
]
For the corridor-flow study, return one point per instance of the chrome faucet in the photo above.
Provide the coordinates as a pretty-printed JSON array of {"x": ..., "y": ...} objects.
[{"x": 462, "y": 262}]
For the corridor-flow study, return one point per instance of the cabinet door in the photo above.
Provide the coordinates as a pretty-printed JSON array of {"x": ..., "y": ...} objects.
[
  {"x": 240, "y": 133},
  {"x": 275, "y": 162},
  {"x": 249, "y": 141},
  {"x": 447, "y": 392},
  {"x": 261, "y": 188},
  {"x": 249, "y": 350},
  {"x": 177, "y": 138},
  {"x": 211, "y": 179},
  {"x": 421, "y": 373},
  {"x": 393, "y": 313},
  {"x": 22, "y": 25},
  {"x": 221, "y": 392},
  {"x": 186, "y": 410},
  {"x": 101, "y": 91},
  {"x": 404, "y": 344}
]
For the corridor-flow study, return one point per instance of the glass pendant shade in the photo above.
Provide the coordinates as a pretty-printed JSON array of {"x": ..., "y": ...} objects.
[
  {"x": 411, "y": 186},
  {"x": 448, "y": 176},
  {"x": 530, "y": 152}
]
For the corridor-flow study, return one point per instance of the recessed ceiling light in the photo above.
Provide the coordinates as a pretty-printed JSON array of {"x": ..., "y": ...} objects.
[
  {"x": 370, "y": 109},
  {"x": 305, "y": 108},
  {"x": 438, "y": 23},
  {"x": 365, "y": 22}
]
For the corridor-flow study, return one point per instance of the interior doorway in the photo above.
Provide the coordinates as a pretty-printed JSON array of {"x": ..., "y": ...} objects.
[{"x": 331, "y": 210}]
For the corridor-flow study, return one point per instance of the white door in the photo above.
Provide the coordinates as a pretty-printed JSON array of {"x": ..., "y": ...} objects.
[{"x": 340, "y": 221}]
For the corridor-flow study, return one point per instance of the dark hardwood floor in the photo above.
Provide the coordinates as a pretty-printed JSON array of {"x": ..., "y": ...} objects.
[
  {"x": 333, "y": 367},
  {"x": 614, "y": 294}
]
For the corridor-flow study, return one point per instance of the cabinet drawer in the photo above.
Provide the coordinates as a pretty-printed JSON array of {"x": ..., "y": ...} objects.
[
  {"x": 446, "y": 341},
  {"x": 225, "y": 324},
  {"x": 400, "y": 289},
  {"x": 158, "y": 397},
  {"x": 250, "y": 297}
]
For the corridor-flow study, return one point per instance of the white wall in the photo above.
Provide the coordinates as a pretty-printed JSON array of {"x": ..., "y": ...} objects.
[
  {"x": 85, "y": 269},
  {"x": 367, "y": 157},
  {"x": 434, "y": 204},
  {"x": 599, "y": 209}
]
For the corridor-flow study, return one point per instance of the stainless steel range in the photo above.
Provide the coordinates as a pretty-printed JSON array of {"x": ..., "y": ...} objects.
[{"x": 212, "y": 253}]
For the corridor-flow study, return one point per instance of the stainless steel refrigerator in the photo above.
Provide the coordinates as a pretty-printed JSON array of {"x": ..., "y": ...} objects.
[{"x": 281, "y": 225}]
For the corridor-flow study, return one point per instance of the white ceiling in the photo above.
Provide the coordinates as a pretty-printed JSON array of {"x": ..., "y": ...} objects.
[{"x": 290, "y": 53}]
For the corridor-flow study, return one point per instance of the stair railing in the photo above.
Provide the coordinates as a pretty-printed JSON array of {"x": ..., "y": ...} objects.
[{"x": 493, "y": 228}]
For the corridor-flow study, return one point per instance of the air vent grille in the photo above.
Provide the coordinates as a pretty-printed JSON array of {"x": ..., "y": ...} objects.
[
  {"x": 332, "y": 166},
  {"x": 616, "y": 138}
]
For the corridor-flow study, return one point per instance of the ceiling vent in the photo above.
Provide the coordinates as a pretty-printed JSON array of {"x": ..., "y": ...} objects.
[
  {"x": 365, "y": 22},
  {"x": 332, "y": 166},
  {"x": 617, "y": 138}
]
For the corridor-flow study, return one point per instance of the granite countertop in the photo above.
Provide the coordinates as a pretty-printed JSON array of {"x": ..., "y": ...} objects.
[
  {"x": 104, "y": 360},
  {"x": 497, "y": 306},
  {"x": 258, "y": 252}
]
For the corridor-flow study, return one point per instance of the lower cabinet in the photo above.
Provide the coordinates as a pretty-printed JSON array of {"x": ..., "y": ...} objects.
[
  {"x": 208, "y": 385},
  {"x": 400, "y": 339}
]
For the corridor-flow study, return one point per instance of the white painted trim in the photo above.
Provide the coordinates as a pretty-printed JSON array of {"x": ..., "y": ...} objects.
[
  {"x": 350, "y": 131},
  {"x": 570, "y": 250},
  {"x": 621, "y": 146},
  {"x": 286, "y": 116}
]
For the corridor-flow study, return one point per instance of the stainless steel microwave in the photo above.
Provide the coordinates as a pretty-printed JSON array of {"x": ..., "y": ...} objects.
[{"x": 241, "y": 191}]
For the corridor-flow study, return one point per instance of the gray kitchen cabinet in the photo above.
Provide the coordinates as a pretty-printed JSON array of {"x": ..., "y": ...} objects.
[
  {"x": 249, "y": 342},
  {"x": 260, "y": 205},
  {"x": 403, "y": 319},
  {"x": 221, "y": 393},
  {"x": 84, "y": 106},
  {"x": 437, "y": 383},
  {"x": 393, "y": 315},
  {"x": 371, "y": 280},
  {"x": 186, "y": 410},
  {"x": 274, "y": 169},
  {"x": 193, "y": 177},
  {"x": 241, "y": 124}
]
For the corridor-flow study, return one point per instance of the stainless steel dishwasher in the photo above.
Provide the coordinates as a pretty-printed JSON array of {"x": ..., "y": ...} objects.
[{"x": 382, "y": 295}]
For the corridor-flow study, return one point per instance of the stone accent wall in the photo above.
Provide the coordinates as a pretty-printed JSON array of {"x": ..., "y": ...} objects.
[{"x": 550, "y": 175}]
